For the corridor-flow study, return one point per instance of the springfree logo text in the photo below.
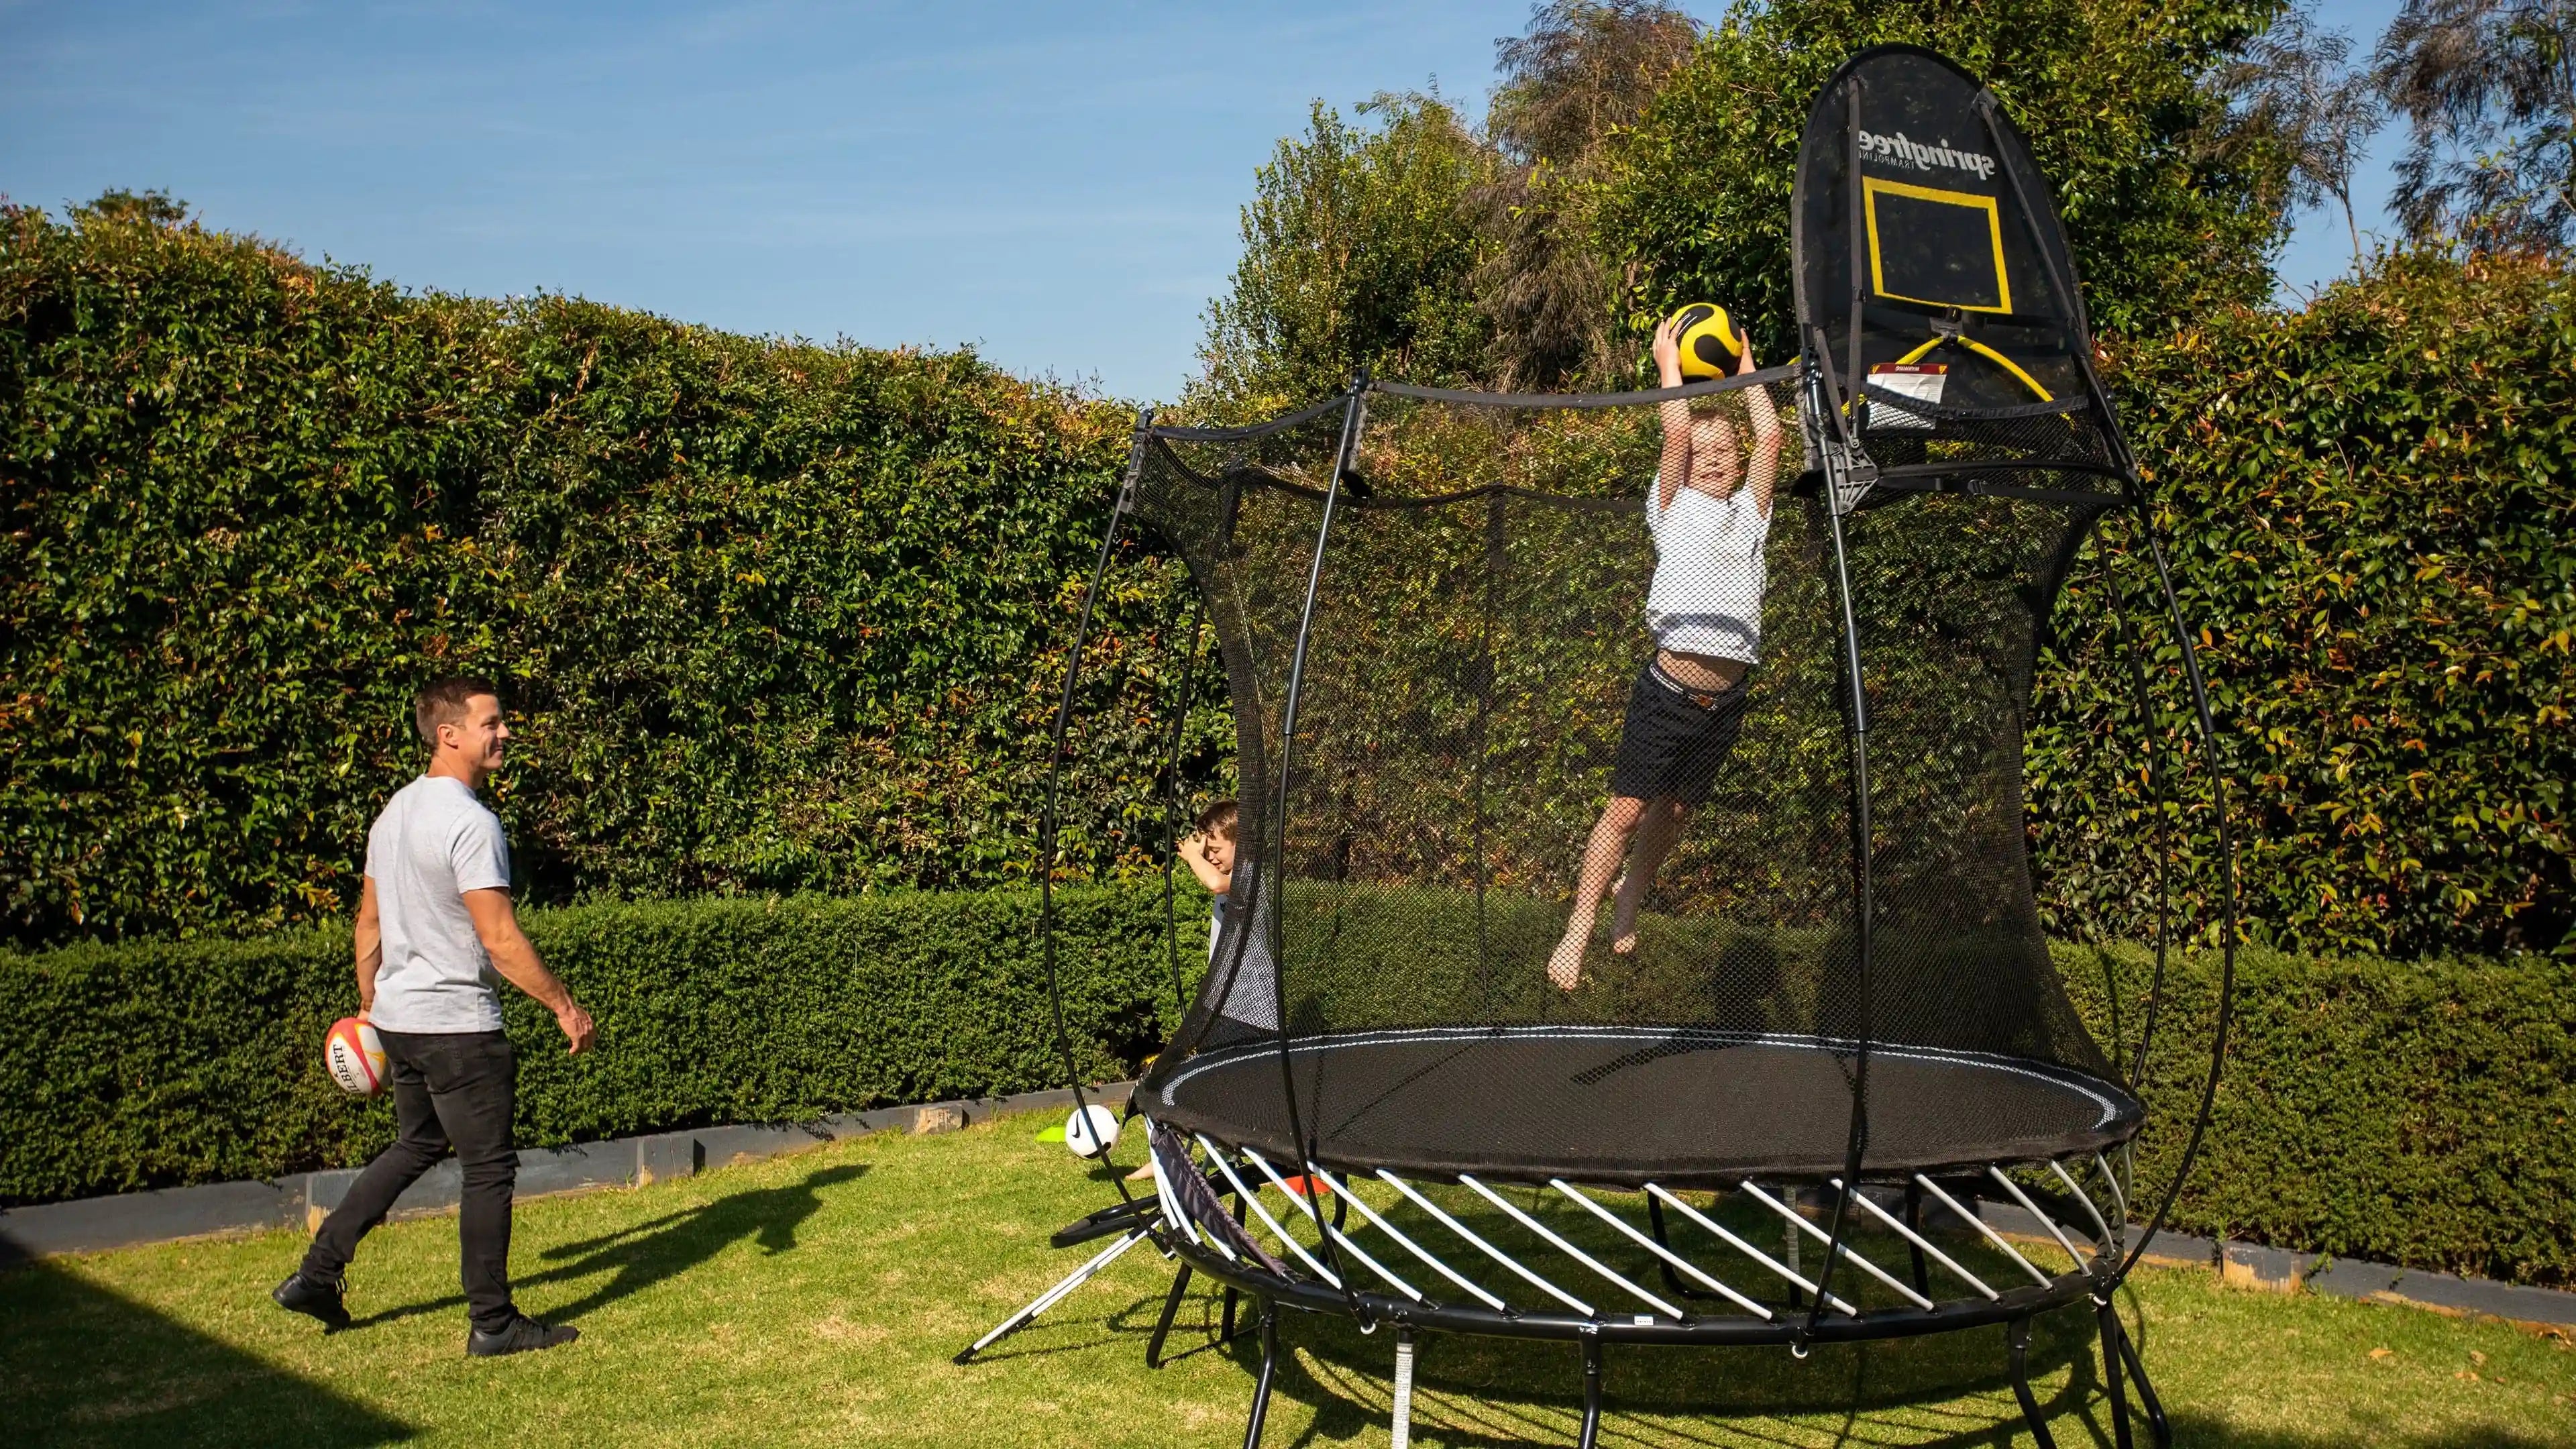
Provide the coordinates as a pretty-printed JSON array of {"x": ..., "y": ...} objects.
[{"x": 1906, "y": 152}]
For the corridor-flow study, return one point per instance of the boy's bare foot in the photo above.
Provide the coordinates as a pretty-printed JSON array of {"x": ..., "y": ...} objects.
[
  {"x": 1565, "y": 967},
  {"x": 1623, "y": 920}
]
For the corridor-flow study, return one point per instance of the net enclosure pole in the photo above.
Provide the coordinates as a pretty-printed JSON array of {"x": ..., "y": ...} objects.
[
  {"x": 1352, "y": 411},
  {"x": 1856, "y": 727},
  {"x": 1055, "y": 775}
]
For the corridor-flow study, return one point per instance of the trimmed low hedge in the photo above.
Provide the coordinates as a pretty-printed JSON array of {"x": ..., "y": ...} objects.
[
  {"x": 2415, "y": 1113},
  {"x": 160, "y": 1063}
]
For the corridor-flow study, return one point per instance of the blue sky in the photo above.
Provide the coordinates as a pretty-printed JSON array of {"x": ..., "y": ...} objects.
[{"x": 1056, "y": 185}]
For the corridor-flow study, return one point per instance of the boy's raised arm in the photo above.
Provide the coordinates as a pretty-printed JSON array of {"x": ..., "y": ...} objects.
[
  {"x": 1194, "y": 855},
  {"x": 1674, "y": 465},
  {"x": 1763, "y": 468}
]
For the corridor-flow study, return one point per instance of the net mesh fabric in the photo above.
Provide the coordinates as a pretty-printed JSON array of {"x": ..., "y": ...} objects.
[{"x": 1475, "y": 694}]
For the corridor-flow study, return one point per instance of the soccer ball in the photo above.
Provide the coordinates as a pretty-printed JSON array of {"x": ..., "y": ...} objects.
[
  {"x": 1091, "y": 1131},
  {"x": 1711, "y": 346}
]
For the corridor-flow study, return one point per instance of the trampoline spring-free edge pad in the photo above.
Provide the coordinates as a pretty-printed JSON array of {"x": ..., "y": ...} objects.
[{"x": 1626, "y": 1105}]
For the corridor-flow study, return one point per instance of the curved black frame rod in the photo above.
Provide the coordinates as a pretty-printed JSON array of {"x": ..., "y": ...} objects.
[{"x": 1048, "y": 820}]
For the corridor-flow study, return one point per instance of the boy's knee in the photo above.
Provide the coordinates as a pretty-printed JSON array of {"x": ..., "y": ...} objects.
[{"x": 1624, "y": 812}]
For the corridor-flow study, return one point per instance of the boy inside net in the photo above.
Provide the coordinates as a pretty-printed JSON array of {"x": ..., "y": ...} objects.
[{"x": 1710, "y": 514}]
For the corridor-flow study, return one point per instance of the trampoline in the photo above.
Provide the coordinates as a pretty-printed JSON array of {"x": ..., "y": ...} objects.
[
  {"x": 1632, "y": 936},
  {"x": 1682, "y": 1106}
]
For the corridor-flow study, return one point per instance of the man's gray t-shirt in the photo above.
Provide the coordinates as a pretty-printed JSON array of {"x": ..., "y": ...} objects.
[{"x": 433, "y": 843}]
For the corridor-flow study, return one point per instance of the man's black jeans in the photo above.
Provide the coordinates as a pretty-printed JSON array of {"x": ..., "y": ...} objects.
[{"x": 449, "y": 1088}]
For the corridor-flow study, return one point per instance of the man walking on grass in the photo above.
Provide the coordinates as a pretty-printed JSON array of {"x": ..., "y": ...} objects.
[{"x": 434, "y": 926}]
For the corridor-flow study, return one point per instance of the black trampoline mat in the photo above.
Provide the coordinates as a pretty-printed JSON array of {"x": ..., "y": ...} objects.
[{"x": 1628, "y": 1105}]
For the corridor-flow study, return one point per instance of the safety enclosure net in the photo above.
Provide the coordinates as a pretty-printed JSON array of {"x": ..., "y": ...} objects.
[{"x": 1389, "y": 988}]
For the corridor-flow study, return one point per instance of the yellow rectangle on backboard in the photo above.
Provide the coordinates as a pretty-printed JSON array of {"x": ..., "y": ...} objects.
[{"x": 1872, "y": 188}]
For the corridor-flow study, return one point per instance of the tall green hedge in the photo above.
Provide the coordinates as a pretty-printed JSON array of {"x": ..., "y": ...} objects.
[
  {"x": 156, "y": 1063},
  {"x": 772, "y": 617},
  {"x": 777, "y": 617},
  {"x": 2372, "y": 503}
]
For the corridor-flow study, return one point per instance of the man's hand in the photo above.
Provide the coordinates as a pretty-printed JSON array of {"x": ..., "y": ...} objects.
[{"x": 497, "y": 923}]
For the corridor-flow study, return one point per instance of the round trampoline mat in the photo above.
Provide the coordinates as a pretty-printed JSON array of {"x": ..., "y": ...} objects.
[{"x": 1628, "y": 1105}]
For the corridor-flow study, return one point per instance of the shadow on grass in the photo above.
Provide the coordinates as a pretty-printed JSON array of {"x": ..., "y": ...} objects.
[
  {"x": 2195, "y": 1429},
  {"x": 672, "y": 1244},
  {"x": 665, "y": 1247},
  {"x": 85, "y": 1366},
  {"x": 1508, "y": 1391},
  {"x": 1945, "y": 1391}
]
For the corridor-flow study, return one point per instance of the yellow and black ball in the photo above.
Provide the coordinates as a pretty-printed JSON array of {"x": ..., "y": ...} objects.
[{"x": 1710, "y": 344}]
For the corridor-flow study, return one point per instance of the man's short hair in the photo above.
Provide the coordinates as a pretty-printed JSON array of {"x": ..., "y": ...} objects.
[
  {"x": 443, "y": 702},
  {"x": 1218, "y": 819}
]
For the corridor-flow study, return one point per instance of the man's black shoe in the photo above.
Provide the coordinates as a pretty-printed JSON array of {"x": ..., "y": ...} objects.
[
  {"x": 523, "y": 1335},
  {"x": 317, "y": 1297}
]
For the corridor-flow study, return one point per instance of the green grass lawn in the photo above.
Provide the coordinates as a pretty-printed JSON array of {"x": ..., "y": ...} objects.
[{"x": 817, "y": 1299}]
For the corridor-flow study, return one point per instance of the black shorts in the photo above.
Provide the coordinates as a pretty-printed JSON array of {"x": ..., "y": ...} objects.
[{"x": 1672, "y": 744}]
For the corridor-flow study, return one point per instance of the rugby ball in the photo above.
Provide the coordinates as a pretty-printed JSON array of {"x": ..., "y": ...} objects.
[{"x": 354, "y": 1056}]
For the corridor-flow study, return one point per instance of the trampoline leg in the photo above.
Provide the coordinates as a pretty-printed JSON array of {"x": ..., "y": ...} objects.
[
  {"x": 1401, "y": 1436},
  {"x": 2017, "y": 1334},
  {"x": 1591, "y": 1434},
  {"x": 2111, "y": 1366},
  {"x": 2157, "y": 1425},
  {"x": 1261, "y": 1384},
  {"x": 1051, "y": 1297},
  {"x": 1163, "y": 1325}
]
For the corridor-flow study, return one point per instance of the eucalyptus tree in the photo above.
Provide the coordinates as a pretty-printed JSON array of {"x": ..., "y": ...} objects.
[
  {"x": 2488, "y": 88},
  {"x": 1584, "y": 70},
  {"x": 2295, "y": 91}
]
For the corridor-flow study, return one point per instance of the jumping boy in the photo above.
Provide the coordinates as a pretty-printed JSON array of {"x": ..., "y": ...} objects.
[{"x": 1709, "y": 514}]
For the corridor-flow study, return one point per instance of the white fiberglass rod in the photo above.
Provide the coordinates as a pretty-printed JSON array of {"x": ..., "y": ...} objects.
[
  {"x": 2090, "y": 1210},
  {"x": 1388, "y": 1228},
  {"x": 1488, "y": 1249},
  {"x": 1917, "y": 1239},
  {"x": 2032, "y": 1208},
  {"x": 1252, "y": 1200},
  {"x": 1979, "y": 1223},
  {"x": 1562, "y": 1246},
  {"x": 1328, "y": 1230},
  {"x": 1660, "y": 1251},
  {"x": 1904, "y": 1289},
  {"x": 2119, "y": 1199},
  {"x": 1832, "y": 1301}
]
